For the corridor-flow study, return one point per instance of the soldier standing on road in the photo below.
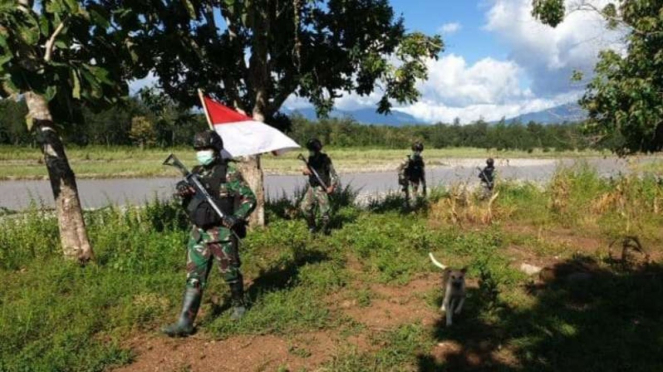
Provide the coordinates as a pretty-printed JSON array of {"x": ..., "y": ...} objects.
[
  {"x": 412, "y": 173},
  {"x": 487, "y": 177},
  {"x": 316, "y": 197},
  {"x": 213, "y": 238}
]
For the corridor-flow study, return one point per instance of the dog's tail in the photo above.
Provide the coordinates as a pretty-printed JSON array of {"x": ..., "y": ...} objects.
[{"x": 435, "y": 261}]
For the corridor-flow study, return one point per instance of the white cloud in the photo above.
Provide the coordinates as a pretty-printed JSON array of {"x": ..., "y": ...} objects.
[
  {"x": 435, "y": 111},
  {"x": 550, "y": 55},
  {"x": 449, "y": 28}
]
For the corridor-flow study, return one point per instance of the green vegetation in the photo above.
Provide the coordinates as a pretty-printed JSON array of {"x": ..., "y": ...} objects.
[
  {"x": 127, "y": 162},
  {"x": 57, "y": 316}
]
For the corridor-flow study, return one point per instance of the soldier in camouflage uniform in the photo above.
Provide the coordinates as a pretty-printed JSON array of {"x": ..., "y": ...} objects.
[
  {"x": 487, "y": 177},
  {"x": 412, "y": 173},
  {"x": 316, "y": 195},
  {"x": 213, "y": 238}
]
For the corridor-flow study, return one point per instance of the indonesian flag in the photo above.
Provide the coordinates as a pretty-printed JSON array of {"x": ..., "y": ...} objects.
[{"x": 244, "y": 136}]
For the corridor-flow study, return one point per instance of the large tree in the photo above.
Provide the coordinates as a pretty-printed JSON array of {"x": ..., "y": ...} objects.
[
  {"x": 60, "y": 55},
  {"x": 624, "y": 99},
  {"x": 254, "y": 54}
]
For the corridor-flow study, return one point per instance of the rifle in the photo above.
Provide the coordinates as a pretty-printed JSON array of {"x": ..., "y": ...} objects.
[
  {"x": 485, "y": 178},
  {"x": 317, "y": 176},
  {"x": 194, "y": 180}
]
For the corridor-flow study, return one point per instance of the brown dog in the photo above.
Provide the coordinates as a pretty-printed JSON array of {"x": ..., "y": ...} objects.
[{"x": 453, "y": 282}]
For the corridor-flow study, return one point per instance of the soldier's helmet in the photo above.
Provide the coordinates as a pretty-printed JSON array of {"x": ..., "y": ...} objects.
[
  {"x": 314, "y": 144},
  {"x": 418, "y": 146},
  {"x": 490, "y": 161},
  {"x": 208, "y": 139}
]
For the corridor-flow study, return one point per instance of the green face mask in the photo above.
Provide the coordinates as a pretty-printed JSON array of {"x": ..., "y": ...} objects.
[{"x": 205, "y": 157}]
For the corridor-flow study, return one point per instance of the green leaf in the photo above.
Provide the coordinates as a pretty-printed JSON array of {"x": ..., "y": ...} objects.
[
  {"x": 44, "y": 26},
  {"x": 76, "y": 92},
  {"x": 4, "y": 59},
  {"x": 72, "y": 5},
  {"x": 29, "y": 35},
  {"x": 190, "y": 8},
  {"x": 101, "y": 74},
  {"x": 50, "y": 92},
  {"x": 54, "y": 6}
]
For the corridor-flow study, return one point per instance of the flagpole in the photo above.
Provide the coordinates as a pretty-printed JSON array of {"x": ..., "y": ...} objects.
[{"x": 202, "y": 101}]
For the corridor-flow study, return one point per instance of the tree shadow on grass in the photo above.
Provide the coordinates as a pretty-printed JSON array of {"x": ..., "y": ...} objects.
[
  {"x": 282, "y": 275},
  {"x": 585, "y": 317}
]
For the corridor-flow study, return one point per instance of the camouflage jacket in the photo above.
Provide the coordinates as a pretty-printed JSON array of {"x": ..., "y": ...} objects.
[
  {"x": 403, "y": 170},
  {"x": 322, "y": 164}
]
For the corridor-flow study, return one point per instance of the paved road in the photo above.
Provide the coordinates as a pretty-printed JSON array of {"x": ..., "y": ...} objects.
[{"x": 17, "y": 195}]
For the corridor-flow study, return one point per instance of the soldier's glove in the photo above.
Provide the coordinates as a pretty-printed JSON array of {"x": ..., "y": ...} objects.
[
  {"x": 184, "y": 189},
  {"x": 230, "y": 221}
]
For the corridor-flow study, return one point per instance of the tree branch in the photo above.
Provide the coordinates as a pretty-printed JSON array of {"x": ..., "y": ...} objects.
[{"x": 51, "y": 41}]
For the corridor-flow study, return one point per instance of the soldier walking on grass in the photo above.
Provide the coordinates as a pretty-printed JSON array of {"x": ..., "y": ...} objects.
[
  {"x": 412, "y": 173},
  {"x": 316, "y": 196},
  {"x": 487, "y": 177},
  {"x": 213, "y": 238}
]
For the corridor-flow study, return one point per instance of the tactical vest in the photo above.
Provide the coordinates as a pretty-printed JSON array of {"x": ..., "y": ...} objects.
[
  {"x": 487, "y": 174},
  {"x": 321, "y": 165},
  {"x": 415, "y": 168},
  {"x": 201, "y": 213}
]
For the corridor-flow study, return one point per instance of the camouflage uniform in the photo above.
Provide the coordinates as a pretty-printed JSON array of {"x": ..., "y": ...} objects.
[
  {"x": 316, "y": 195},
  {"x": 411, "y": 174},
  {"x": 487, "y": 177},
  {"x": 217, "y": 243}
]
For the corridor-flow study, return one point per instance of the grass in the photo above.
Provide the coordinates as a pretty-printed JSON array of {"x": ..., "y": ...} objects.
[
  {"x": 131, "y": 162},
  {"x": 56, "y": 316}
]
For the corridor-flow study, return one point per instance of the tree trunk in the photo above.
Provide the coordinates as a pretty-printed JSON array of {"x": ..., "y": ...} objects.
[
  {"x": 73, "y": 234},
  {"x": 252, "y": 172}
]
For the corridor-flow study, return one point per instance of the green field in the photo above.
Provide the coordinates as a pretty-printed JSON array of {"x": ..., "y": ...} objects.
[
  {"x": 127, "y": 162},
  {"x": 364, "y": 299}
]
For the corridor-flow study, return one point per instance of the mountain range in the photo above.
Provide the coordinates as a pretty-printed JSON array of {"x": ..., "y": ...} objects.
[{"x": 569, "y": 112}]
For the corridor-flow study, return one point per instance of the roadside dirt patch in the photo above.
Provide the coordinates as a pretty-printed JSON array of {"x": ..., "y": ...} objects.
[{"x": 241, "y": 353}]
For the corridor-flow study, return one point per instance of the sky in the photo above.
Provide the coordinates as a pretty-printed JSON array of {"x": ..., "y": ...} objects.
[{"x": 498, "y": 61}]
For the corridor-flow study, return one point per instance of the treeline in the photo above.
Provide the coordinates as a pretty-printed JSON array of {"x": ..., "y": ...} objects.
[
  {"x": 480, "y": 134},
  {"x": 152, "y": 121}
]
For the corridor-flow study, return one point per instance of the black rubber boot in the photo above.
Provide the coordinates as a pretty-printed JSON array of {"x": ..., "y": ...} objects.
[
  {"x": 326, "y": 229},
  {"x": 237, "y": 298},
  {"x": 190, "y": 306},
  {"x": 310, "y": 221}
]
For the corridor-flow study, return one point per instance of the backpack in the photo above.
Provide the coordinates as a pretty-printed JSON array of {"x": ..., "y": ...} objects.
[{"x": 414, "y": 171}]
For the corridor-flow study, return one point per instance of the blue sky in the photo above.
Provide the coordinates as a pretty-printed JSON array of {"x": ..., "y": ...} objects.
[{"x": 470, "y": 41}]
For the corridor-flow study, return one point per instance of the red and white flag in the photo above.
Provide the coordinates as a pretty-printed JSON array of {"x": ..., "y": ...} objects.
[{"x": 244, "y": 136}]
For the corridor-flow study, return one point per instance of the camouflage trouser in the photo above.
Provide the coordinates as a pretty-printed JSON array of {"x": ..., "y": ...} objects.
[
  {"x": 315, "y": 196},
  {"x": 205, "y": 247},
  {"x": 411, "y": 190},
  {"x": 486, "y": 191}
]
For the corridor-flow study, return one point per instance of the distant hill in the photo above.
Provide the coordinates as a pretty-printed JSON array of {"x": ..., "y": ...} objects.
[
  {"x": 364, "y": 116},
  {"x": 569, "y": 112}
]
